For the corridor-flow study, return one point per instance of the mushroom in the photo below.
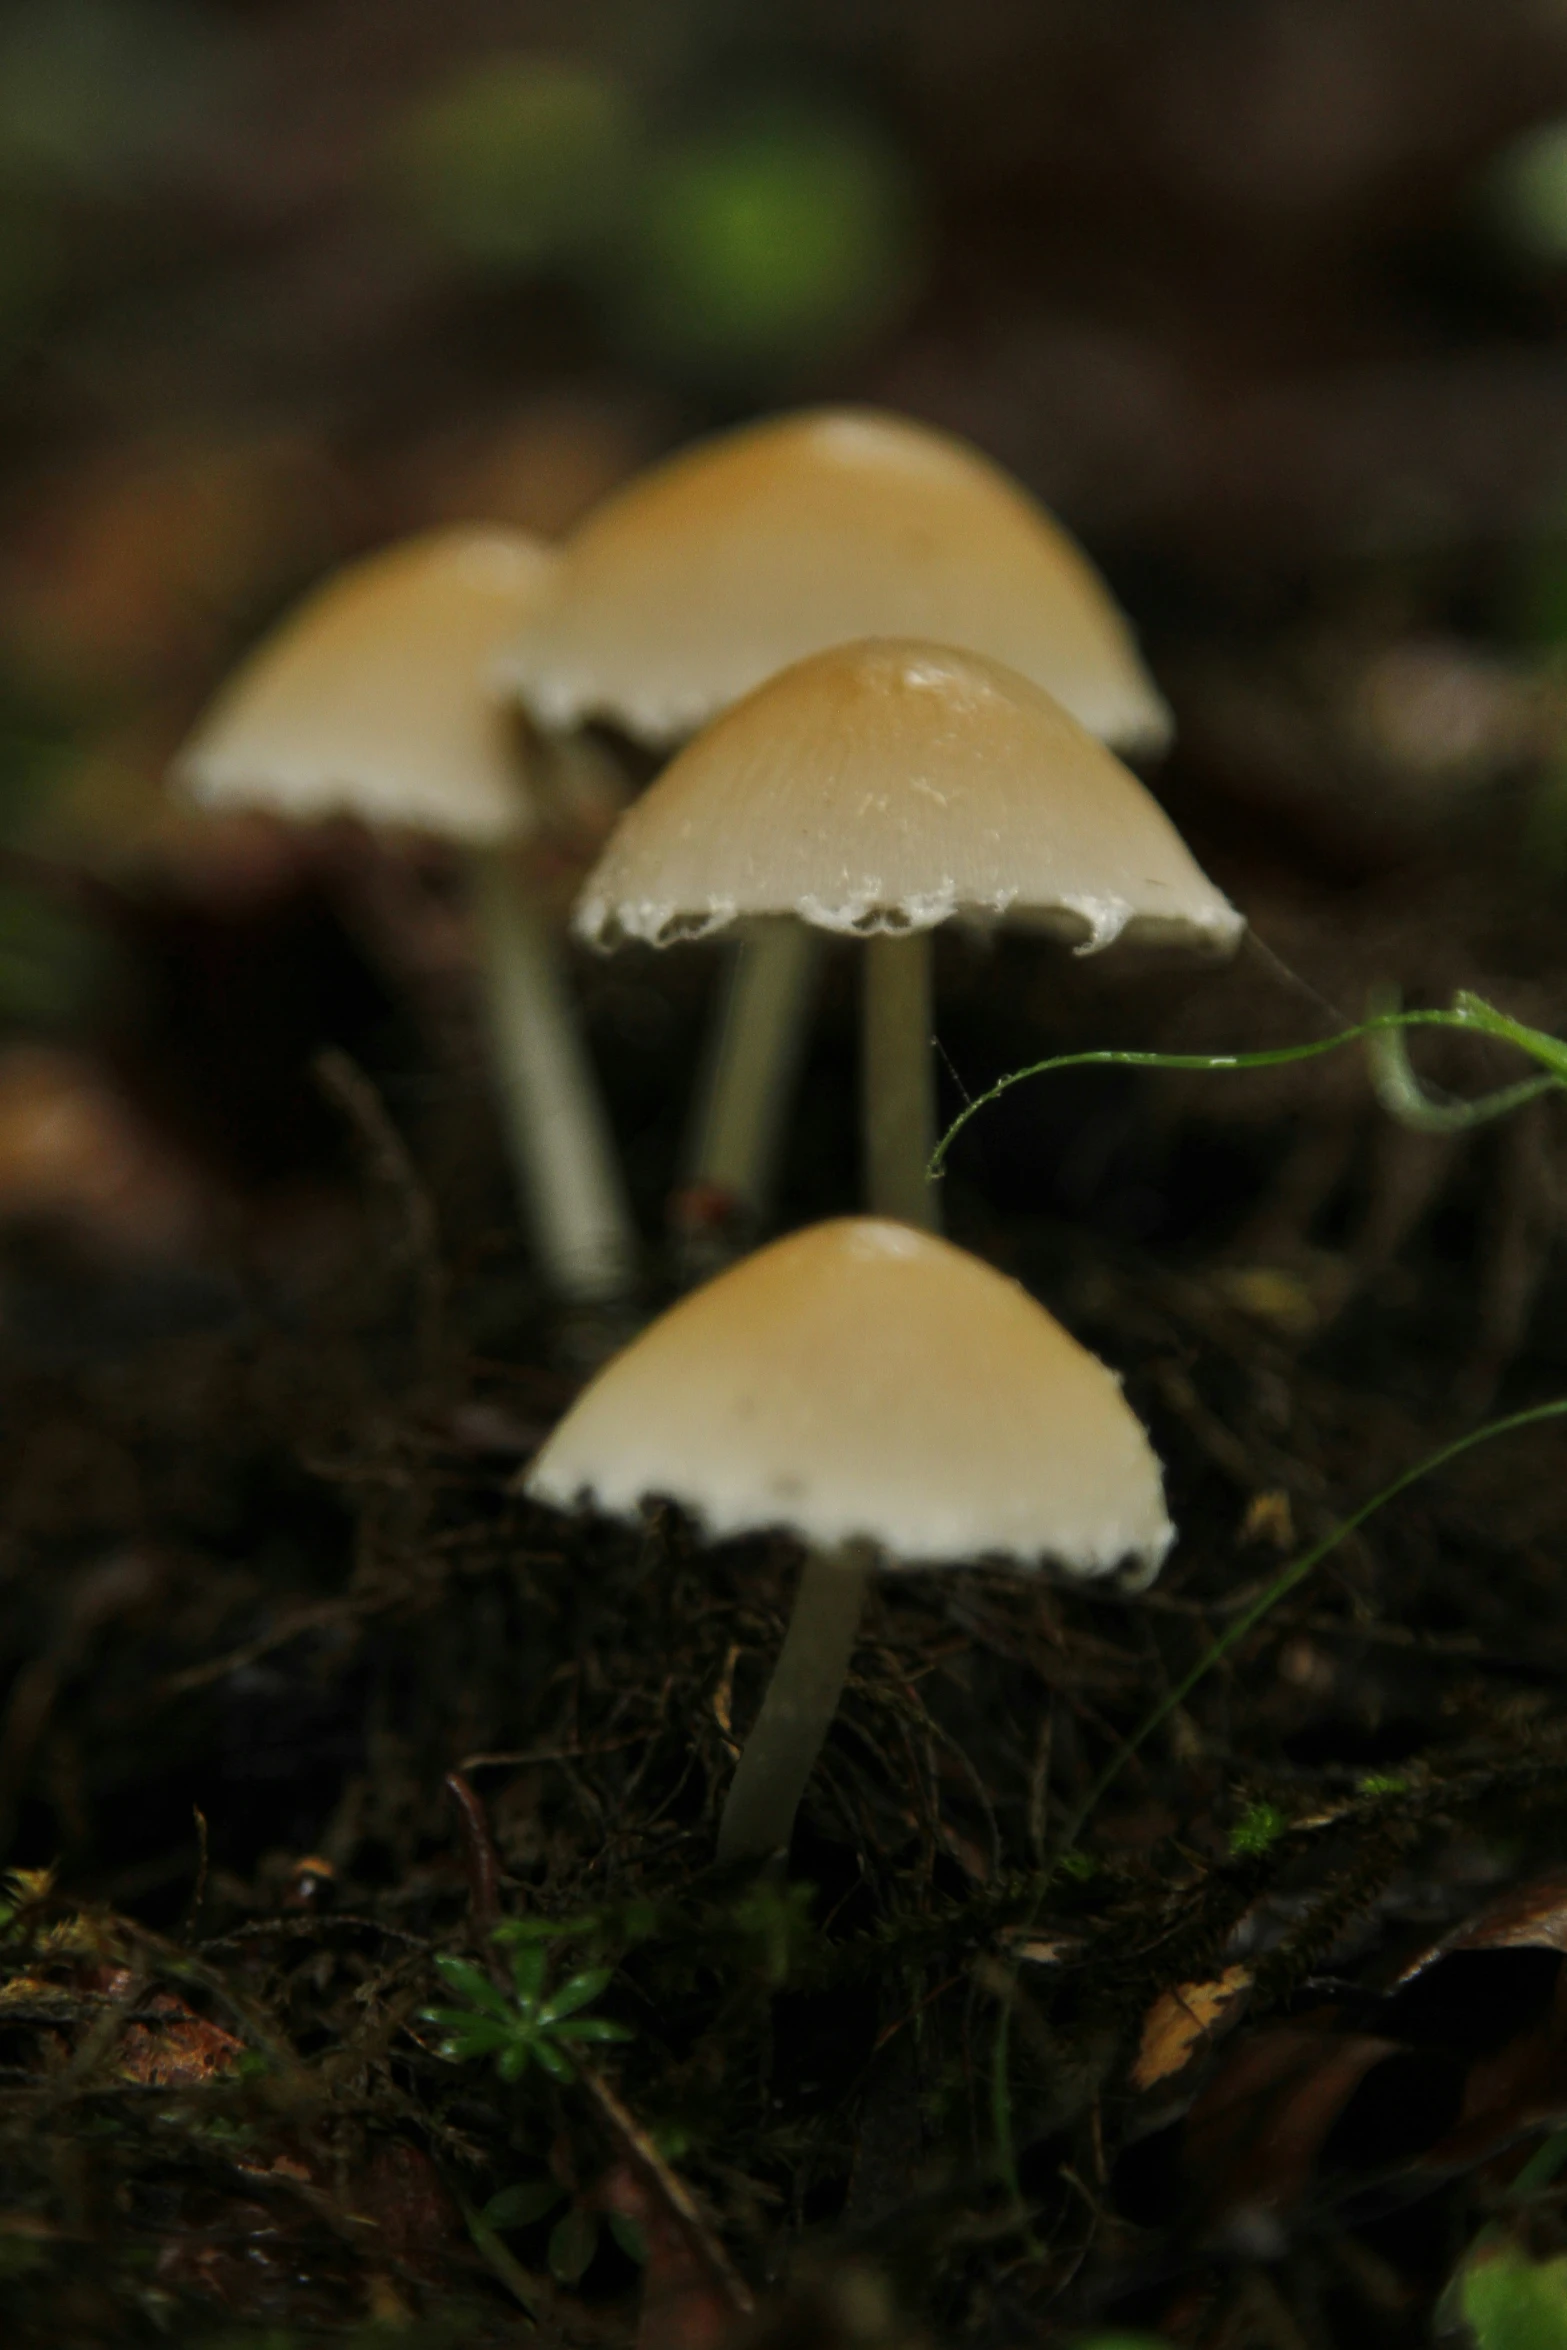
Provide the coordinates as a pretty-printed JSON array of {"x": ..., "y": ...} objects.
[
  {"x": 887, "y": 1399},
  {"x": 370, "y": 699},
  {"x": 879, "y": 789},
  {"x": 714, "y": 570}
]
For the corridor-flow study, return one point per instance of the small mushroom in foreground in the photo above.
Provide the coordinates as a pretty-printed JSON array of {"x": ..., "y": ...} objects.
[
  {"x": 717, "y": 568},
  {"x": 890, "y": 1401},
  {"x": 371, "y": 699},
  {"x": 877, "y": 790}
]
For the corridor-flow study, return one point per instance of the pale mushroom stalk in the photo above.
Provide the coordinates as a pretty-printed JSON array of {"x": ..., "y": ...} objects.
[
  {"x": 746, "y": 1089},
  {"x": 897, "y": 1078},
  {"x": 556, "y": 1131},
  {"x": 802, "y": 1697}
]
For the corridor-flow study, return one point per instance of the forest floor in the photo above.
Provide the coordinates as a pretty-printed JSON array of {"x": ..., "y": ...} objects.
[{"x": 1244, "y": 2041}]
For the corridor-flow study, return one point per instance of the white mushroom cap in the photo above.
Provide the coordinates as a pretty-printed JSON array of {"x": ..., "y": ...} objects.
[
  {"x": 375, "y": 698},
  {"x": 713, "y": 570},
  {"x": 888, "y": 786},
  {"x": 863, "y": 1381}
]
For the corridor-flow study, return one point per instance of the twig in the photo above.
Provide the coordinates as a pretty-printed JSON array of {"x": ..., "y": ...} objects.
[
  {"x": 642, "y": 2156},
  {"x": 387, "y": 1164},
  {"x": 479, "y": 1858}
]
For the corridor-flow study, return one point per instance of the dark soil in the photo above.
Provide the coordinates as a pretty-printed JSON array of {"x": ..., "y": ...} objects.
[{"x": 268, "y": 1586}]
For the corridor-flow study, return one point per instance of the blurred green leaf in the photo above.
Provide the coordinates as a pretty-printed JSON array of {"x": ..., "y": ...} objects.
[
  {"x": 93, "y": 92},
  {"x": 778, "y": 239},
  {"x": 628, "y": 2235},
  {"x": 1525, "y": 192},
  {"x": 1510, "y": 2302},
  {"x": 573, "y": 2241},
  {"x": 580, "y": 1991},
  {"x": 521, "y": 2206},
  {"x": 518, "y": 164},
  {"x": 49, "y": 959},
  {"x": 775, "y": 1920}
]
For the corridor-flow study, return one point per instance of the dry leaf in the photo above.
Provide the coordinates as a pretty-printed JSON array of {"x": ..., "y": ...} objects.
[
  {"x": 174, "y": 2048},
  {"x": 1184, "y": 2021}
]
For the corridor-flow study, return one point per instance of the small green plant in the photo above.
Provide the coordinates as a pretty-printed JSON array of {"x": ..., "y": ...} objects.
[
  {"x": 574, "y": 2238},
  {"x": 524, "y": 2024},
  {"x": 1259, "y": 1828}
]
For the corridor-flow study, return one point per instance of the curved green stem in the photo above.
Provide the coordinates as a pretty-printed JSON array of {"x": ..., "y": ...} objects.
[{"x": 1469, "y": 1012}]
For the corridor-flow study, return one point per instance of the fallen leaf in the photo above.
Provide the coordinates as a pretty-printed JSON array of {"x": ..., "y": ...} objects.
[
  {"x": 174, "y": 2048},
  {"x": 1253, "y": 2137},
  {"x": 1184, "y": 2022}
]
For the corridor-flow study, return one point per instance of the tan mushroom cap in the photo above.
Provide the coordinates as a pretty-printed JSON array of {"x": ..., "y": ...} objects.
[
  {"x": 863, "y": 1381},
  {"x": 888, "y": 786},
  {"x": 737, "y": 557},
  {"x": 374, "y": 697}
]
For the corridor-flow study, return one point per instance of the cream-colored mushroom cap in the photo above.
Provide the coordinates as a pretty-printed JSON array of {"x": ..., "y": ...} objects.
[
  {"x": 887, "y": 786},
  {"x": 375, "y": 697},
  {"x": 729, "y": 561},
  {"x": 860, "y": 1380}
]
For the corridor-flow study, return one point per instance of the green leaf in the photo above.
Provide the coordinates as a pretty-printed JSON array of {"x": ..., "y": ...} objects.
[
  {"x": 593, "y": 2027},
  {"x": 529, "y": 1966},
  {"x": 1514, "y": 2303},
  {"x": 555, "y": 2063},
  {"x": 520, "y": 2206},
  {"x": 628, "y": 2235},
  {"x": 479, "y": 2040},
  {"x": 515, "y": 2058},
  {"x": 478, "y": 2033},
  {"x": 473, "y": 1984},
  {"x": 580, "y": 1991},
  {"x": 463, "y": 2019},
  {"x": 573, "y": 2241}
]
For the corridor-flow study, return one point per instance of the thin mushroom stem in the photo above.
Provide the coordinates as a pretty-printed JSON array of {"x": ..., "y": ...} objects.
[
  {"x": 897, "y": 1078},
  {"x": 802, "y": 1697},
  {"x": 746, "y": 1087},
  {"x": 556, "y": 1129}
]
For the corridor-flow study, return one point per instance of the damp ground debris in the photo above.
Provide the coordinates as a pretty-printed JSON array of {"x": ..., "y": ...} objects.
[{"x": 366, "y": 1969}]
